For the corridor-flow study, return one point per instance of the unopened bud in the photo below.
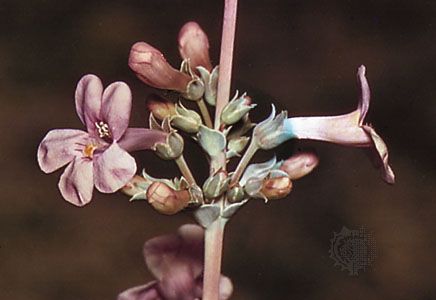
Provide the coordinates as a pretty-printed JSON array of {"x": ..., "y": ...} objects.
[
  {"x": 300, "y": 165},
  {"x": 172, "y": 148},
  {"x": 165, "y": 199},
  {"x": 161, "y": 109},
  {"x": 236, "y": 145},
  {"x": 150, "y": 66},
  {"x": 271, "y": 132},
  {"x": 194, "y": 90},
  {"x": 194, "y": 45},
  {"x": 235, "y": 194},
  {"x": 216, "y": 185},
  {"x": 236, "y": 109},
  {"x": 136, "y": 185},
  {"x": 277, "y": 187},
  {"x": 186, "y": 119}
]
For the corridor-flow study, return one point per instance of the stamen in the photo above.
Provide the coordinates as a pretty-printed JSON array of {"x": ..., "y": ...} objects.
[{"x": 103, "y": 129}]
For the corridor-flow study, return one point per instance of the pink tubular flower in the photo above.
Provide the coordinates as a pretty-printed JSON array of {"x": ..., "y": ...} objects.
[
  {"x": 348, "y": 129},
  {"x": 98, "y": 156},
  {"x": 194, "y": 45},
  {"x": 151, "y": 67},
  {"x": 177, "y": 263}
]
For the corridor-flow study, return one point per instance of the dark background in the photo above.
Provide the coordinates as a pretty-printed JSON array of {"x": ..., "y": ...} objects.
[{"x": 303, "y": 55}]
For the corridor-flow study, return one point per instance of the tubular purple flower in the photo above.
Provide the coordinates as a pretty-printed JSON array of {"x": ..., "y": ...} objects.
[
  {"x": 194, "y": 45},
  {"x": 151, "y": 67},
  {"x": 177, "y": 263},
  {"x": 348, "y": 129},
  {"x": 97, "y": 157}
]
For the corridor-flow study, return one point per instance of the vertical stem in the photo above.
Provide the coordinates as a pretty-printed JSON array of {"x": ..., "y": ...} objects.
[
  {"x": 212, "y": 266},
  {"x": 226, "y": 57},
  {"x": 215, "y": 232},
  {"x": 205, "y": 113},
  {"x": 184, "y": 168}
]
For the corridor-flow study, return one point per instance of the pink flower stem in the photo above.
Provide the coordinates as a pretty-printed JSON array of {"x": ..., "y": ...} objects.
[
  {"x": 226, "y": 58},
  {"x": 212, "y": 265},
  {"x": 215, "y": 231}
]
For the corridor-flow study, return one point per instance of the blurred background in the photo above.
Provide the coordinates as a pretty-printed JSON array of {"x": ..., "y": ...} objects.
[{"x": 303, "y": 55}]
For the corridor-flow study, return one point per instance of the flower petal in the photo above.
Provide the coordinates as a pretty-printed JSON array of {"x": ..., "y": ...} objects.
[
  {"x": 165, "y": 253},
  {"x": 150, "y": 66},
  {"x": 88, "y": 100},
  {"x": 135, "y": 139},
  {"x": 113, "y": 169},
  {"x": 365, "y": 94},
  {"x": 194, "y": 45},
  {"x": 382, "y": 153},
  {"x": 59, "y": 147},
  {"x": 342, "y": 129},
  {"x": 147, "y": 291},
  {"x": 76, "y": 183},
  {"x": 115, "y": 108}
]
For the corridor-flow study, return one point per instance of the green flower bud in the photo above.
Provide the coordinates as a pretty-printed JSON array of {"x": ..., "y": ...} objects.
[
  {"x": 236, "y": 109},
  {"x": 172, "y": 148},
  {"x": 194, "y": 89},
  {"x": 216, "y": 185},
  {"x": 235, "y": 194},
  {"x": 235, "y": 146},
  {"x": 210, "y": 81},
  {"x": 186, "y": 119}
]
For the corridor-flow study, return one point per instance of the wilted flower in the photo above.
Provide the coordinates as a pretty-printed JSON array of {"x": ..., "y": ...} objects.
[
  {"x": 96, "y": 157},
  {"x": 177, "y": 263},
  {"x": 167, "y": 200},
  {"x": 194, "y": 45},
  {"x": 299, "y": 165},
  {"x": 276, "y": 187},
  {"x": 348, "y": 129}
]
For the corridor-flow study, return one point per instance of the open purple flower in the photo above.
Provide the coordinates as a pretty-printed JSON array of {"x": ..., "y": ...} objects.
[
  {"x": 177, "y": 263},
  {"x": 348, "y": 129},
  {"x": 98, "y": 156}
]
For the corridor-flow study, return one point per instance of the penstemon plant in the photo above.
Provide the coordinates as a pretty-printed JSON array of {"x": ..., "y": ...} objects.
[{"x": 187, "y": 265}]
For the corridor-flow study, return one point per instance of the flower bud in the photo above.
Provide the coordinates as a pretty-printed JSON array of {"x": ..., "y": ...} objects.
[
  {"x": 236, "y": 109},
  {"x": 300, "y": 165},
  {"x": 216, "y": 185},
  {"x": 235, "y": 194},
  {"x": 210, "y": 80},
  {"x": 194, "y": 45},
  {"x": 186, "y": 119},
  {"x": 277, "y": 187},
  {"x": 235, "y": 146},
  {"x": 165, "y": 199},
  {"x": 270, "y": 133},
  {"x": 150, "y": 66},
  {"x": 172, "y": 148},
  {"x": 161, "y": 109},
  {"x": 194, "y": 90}
]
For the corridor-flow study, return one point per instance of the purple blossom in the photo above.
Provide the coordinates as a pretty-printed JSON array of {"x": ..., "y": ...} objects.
[
  {"x": 348, "y": 129},
  {"x": 99, "y": 155},
  {"x": 177, "y": 263}
]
